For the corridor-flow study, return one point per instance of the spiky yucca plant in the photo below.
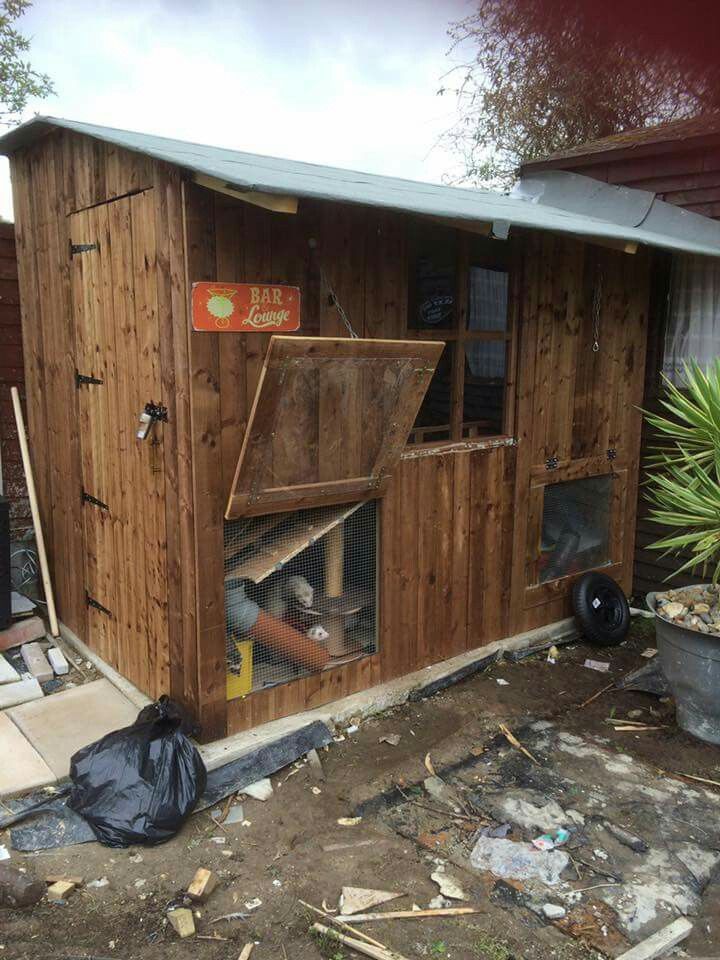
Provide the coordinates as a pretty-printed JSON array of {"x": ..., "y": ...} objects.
[{"x": 683, "y": 482}]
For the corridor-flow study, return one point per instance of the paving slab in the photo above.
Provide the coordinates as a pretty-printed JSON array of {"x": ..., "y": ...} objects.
[
  {"x": 59, "y": 725},
  {"x": 22, "y": 768}
]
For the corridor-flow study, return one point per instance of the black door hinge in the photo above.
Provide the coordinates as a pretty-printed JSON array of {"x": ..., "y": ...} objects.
[
  {"x": 88, "y": 498},
  {"x": 612, "y": 453},
  {"x": 551, "y": 463},
  {"x": 76, "y": 248},
  {"x": 96, "y": 605},
  {"x": 81, "y": 378}
]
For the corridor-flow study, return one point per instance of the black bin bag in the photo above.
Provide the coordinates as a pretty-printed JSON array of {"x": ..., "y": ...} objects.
[{"x": 138, "y": 785}]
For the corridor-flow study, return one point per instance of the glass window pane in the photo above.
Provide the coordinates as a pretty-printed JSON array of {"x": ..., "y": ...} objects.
[
  {"x": 575, "y": 527},
  {"x": 484, "y": 391},
  {"x": 488, "y": 299},
  {"x": 431, "y": 301},
  {"x": 434, "y": 414}
]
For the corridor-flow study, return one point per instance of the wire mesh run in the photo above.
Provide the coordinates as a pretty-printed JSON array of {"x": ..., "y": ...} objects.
[
  {"x": 300, "y": 594},
  {"x": 575, "y": 527}
]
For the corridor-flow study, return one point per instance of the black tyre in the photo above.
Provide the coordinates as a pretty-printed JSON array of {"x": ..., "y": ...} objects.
[{"x": 601, "y": 609}]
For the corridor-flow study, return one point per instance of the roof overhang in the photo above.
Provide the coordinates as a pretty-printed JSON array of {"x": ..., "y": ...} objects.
[{"x": 272, "y": 177}]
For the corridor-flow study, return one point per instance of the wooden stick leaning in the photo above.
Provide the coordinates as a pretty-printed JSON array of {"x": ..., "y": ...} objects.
[
  {"x": 377, "y": 953},
  {"x": 32, "y": 494}
]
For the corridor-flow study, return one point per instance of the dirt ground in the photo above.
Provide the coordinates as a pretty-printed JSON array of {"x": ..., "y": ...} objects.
[{"x": 279, "y": 855}]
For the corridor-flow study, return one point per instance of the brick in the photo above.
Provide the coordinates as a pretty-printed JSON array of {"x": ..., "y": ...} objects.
[
  {"x": 36, "y": 662},
  {"x": 58, "y": 661},
  {"x": 182, "y": 922},
  {"x": 60, "y": 890},
  {"x": 22, "y": 631},
  {"x": 203, "y": 884}
]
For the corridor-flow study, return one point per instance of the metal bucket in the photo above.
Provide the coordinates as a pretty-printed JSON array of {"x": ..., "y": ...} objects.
[{"x": 691, "y": 663}]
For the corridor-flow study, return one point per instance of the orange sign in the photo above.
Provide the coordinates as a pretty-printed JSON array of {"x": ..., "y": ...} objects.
[{"x": 244, "y": 307}]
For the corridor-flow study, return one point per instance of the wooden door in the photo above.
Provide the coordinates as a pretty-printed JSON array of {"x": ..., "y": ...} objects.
[
  {"x": 113, "y": 270},
  {"x": 580, "y": 381}
]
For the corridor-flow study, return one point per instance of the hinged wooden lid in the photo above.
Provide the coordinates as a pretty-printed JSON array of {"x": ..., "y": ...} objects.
[{"x": 329, "y": 421}]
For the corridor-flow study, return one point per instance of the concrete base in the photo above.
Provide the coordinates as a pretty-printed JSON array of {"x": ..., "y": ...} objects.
[
  {"x": 57, "y": 726},
  {"x": 375, "y": 700},
  {"x": 22, "y": 768}
]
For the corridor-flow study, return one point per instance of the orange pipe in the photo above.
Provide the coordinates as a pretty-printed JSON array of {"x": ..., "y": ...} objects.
[{"x": 288, "y": 642}]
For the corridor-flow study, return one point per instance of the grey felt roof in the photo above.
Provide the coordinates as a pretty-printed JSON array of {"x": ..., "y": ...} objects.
[{"x": 674, "y": 229}]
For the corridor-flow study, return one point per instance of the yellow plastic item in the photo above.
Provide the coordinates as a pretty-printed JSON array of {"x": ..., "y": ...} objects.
[{"x": 239, "y": 684}]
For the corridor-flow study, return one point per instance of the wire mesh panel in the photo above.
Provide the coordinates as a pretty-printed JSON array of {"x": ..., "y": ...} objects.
[
  {"x": 575, "y": 527},
  {"x": 300, "y": 593}
]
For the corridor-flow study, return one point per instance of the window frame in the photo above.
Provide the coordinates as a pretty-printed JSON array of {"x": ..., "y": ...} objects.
[{"x": 460, "y": 431}]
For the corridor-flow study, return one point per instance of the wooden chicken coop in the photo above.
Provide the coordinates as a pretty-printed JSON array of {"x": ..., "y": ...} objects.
[{"x": 299, "y": 431}]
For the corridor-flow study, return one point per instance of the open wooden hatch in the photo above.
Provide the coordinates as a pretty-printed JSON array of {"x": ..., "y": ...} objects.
[
  {"x": 329, "y": 421},
  {"x": 328, "y": 425}
]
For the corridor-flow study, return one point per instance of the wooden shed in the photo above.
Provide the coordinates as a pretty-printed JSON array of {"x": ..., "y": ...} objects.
[{"x": 259, "y": 523}]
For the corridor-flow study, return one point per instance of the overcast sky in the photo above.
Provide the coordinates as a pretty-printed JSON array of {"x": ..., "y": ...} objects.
[{"x": 345, "y": 83}]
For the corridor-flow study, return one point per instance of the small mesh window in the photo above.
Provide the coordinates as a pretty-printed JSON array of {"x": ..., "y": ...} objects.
[
  {"x": 300, "y": 594},
  {"x": 575, "y": 527}
]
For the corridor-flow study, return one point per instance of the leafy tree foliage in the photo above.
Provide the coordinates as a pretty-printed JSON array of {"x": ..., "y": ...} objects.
[
  {"x": 544, "y": 75},
  {"x": 18, "y": 81}
]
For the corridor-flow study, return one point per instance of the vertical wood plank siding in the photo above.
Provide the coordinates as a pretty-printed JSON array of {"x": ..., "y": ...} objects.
[{"x": 53, "y": 179}]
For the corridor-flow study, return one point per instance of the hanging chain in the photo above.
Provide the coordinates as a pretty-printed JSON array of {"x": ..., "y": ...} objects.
[
  {"x": 333, "y": 296},
  {"x": 597, "y": 301}
]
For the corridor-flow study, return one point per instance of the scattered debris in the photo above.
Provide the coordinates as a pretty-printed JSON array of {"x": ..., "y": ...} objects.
[
  {"x": 661, "y": 942},
  {"x": 441, "y": 792},
  {"x": 60, "y": 890},
  {"x": 626, "y": 838},
  {"x": 392, "y": 738},
  {"x": 261, "y": 790},
  {"x": 182, "y": 921},
  {"x": 253, "y": 904},
  {"x": 385, "y": 955},
  {"x": 429, "y": 766},
  {"x": 650, "y": 652},
  {"x": 553, "y": 911},
  {"x": 334, "y": 847},
  {"x": 510, "y": 859},
  {"x": 102, "y": 882},
  {"x": 514, "y": 742},
  {"x": 548, "y": 842},
  {"x": 602, "y": 666},
  {"x": 597, "y": 694},
  {"x": 553, "y": 654},
  {"x": 56, "y": 878},
  {"x": 514, "y": 656},
  {"x": 246, "y": 951},
  {"x": 415, "y": 914},
  {"x": 231, "y": 916},
  {"x": 448, "y": 887},
  {"x": 235, "y": 814},
  {"x": 361, "y": 899},
  {"x": 502, "y": 682},
  {"x": 316, "y": 791},
  {"x": 4, "y": 852},
  {"x": 369, "y": 949},
  {"x": 18, "y": 889},
  {"x": 315, "y": 765},
  {"x": 348, "y": 821},
  {"x": 202, "y": 885},
  {"x": 499, "y": 832},
  {"x": 647, "y": 679}
]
